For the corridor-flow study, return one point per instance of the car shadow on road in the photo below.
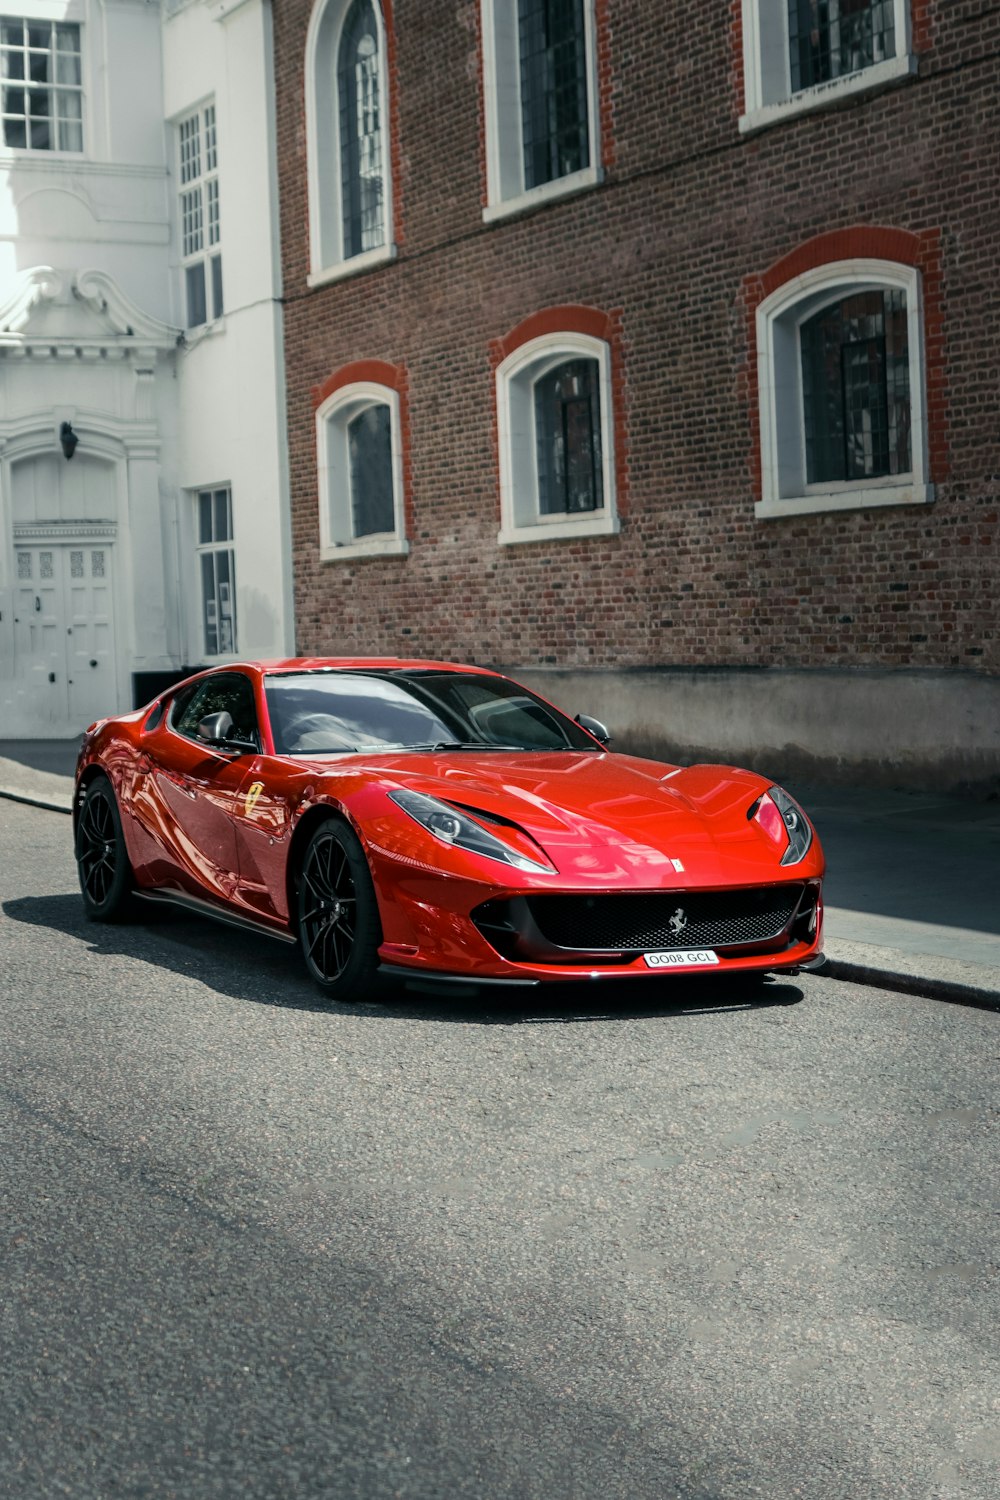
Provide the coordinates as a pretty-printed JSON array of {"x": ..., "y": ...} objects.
[{"x": 256, "y": 970}]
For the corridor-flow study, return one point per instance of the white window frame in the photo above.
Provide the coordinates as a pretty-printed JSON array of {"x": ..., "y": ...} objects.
[
  {"x": 784, "y": 490},
  {"x": 323, "y": 156},
  {"x": 767, "y": 75},
  {"x": 46, "y": 14},
  {"x": 521, "y": 519},
  {"x": 337, "y": 542},
  {"x": 222, "y": 544},
  {"x": 204, "y": 183},
  {"x": 505, "y": 190}
]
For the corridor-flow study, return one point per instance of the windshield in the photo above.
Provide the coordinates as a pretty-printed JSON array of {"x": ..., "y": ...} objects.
[{"x": 333, "y": 712}]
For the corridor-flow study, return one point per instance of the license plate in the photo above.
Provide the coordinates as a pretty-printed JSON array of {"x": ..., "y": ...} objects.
[{"x": 682, "y": 958}]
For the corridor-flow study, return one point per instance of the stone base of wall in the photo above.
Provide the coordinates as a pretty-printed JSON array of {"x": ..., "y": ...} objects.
[{"x": 924, "y": 730}]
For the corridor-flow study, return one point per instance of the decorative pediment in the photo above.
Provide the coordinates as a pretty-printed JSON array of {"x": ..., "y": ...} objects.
[
  {"x": 84, "y": 314},
  {"x": 40, "y": 284},
  {"x": 102, "y": 293}
]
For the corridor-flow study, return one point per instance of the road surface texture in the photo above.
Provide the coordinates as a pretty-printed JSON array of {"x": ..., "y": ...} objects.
[{"x": 585, "y": 1245}]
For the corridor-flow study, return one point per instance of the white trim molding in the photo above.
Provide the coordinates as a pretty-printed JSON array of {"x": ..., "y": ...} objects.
[
  {"x": 784, "y": 490},
  {"x": 337, "y": 542},
  {"x": 520, "y": 515},
  {"x": 768, "y": 96}
]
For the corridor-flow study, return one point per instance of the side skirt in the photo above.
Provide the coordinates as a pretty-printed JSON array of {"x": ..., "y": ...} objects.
[{"x": 206, "y": 909}]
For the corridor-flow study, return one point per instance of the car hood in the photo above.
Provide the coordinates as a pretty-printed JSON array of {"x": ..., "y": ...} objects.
[{"x": 605, "y": 817}]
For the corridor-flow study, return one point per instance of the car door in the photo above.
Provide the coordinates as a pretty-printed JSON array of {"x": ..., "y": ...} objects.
[{"x": 192, "y": 788}]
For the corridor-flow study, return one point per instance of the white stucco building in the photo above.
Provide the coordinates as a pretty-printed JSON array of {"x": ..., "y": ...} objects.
[{"x": 140, "y": 316}]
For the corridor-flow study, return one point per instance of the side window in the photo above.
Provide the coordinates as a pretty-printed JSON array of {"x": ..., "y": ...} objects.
[
  {"x": 841, "y": 390},
  {"x": 231, "y": 693},
  {"x": 359, "y": 441},
  {"x": 217, "y": 568},
  {"x": 540, "y": 94},
  {"x": 799, "y": 55},
  {"x": 200, "y": 223},
  {"x": 556, "y": 435},
  {"x": 347, "y": 125},
  {"x": 42, "y": 92}
]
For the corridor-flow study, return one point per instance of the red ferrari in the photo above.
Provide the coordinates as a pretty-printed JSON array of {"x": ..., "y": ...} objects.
[{"x": 425, "y": 820}]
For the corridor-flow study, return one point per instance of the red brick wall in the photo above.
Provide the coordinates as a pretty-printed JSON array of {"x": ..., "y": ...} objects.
[{"x": 688, "y": 216}]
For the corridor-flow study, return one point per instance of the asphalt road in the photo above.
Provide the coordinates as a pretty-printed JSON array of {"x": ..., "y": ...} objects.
[{"x": 592, "y": 1246}]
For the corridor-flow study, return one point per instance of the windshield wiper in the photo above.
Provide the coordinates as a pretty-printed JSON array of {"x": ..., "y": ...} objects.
[{"x": 467, "y": 745}]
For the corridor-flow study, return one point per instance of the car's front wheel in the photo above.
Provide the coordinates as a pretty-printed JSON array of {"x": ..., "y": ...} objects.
[
  {"x": 102, "y": 860},
  {"x": 339, "y": 926}
]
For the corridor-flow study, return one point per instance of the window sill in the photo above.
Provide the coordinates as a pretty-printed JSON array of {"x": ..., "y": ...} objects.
[
  {"x": 372, "y": 546},
  {"x": 603, "y": 524},
  {"x": 825, "y": 95},
  {"x": 845, "y": 498},
  {"x": 356, "y": 266},
  {"x": 546, "y": 192}
]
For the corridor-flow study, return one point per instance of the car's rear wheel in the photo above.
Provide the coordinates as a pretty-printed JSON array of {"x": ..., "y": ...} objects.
[
  {"x": 339, "y": 926},
  {"x": 102, "y": 861}
]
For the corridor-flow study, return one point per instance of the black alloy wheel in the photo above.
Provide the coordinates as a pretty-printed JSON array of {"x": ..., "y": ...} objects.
[
  {"x": 339, "y": 926},
  {"x": 102, "y": 860}
]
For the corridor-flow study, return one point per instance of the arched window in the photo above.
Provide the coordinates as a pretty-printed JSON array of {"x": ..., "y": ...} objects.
[
  {"x": 556, "y": 439},
  {"x": 841, "y": 389},
  {"x": 358, "y": 438},
  {"x": 348, "y": 144},
  {"x": 359, "y": 97}
]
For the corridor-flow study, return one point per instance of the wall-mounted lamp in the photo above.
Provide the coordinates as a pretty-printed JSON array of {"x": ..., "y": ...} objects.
[{"x": 67, "y": 440}]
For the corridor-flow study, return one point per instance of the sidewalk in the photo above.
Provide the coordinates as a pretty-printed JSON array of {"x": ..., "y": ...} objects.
[{"x": 912, "y": 889}]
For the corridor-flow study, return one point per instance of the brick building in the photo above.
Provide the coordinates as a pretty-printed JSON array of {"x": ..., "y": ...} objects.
[{"x": 650, "y": 351}]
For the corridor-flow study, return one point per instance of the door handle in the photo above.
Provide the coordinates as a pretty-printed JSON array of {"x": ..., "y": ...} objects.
[{"x": 52, "y": 677}]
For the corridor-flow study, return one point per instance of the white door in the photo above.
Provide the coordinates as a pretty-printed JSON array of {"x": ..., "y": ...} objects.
[
  {"x": 90, "y": 632},
  {"x": 64, "y": 639}
]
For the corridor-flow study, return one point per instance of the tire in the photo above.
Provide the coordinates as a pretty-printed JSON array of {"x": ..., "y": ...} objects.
[
  {"x": 339, "y": 927},
  {"x": 102, "y": 862}
]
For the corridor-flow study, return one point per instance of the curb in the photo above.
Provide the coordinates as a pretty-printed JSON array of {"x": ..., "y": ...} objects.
[
  {"x": 30, "y": 800},
  {"x": 911, "y": 984}
]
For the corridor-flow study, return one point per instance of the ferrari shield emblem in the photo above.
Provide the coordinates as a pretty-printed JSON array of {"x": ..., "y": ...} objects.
[{"x": 251, "y": 798}]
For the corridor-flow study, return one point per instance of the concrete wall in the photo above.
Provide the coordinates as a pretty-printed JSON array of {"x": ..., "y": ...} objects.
[{"x": 922, "y": 729}]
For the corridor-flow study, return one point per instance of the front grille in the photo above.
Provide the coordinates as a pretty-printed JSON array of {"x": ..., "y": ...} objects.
[
  {"x": 639, "y": 922},
  {"x": 627, "y": 923}
]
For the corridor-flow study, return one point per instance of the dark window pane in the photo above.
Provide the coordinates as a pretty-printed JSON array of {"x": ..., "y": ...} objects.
[
  {"x": 856, "y": 389},
  {"x": 210, "y": 604},
  {"x": 14, "y": 133},
  {"x": 194, "y": 278},
  {"x": 360, "y": 131},
  {"x": 831, "y": 38},
  {"x": 204, "y": 517},
  {"x": 226, "y": 585},
  {"x": 553, "y": 57},
  {"x": 223, "y": 517},
  {"x": 217, "y": 286},
  {"x": 568, "y": 438},
  {"x": 369, "y": 439}
]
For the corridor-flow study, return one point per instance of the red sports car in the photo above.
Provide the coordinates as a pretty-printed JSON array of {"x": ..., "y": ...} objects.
[{"x": 427, "y": 820}]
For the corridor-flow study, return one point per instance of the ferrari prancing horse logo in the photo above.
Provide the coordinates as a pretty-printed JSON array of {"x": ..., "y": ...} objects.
[
  {"x": 251, "y": 798},
  {"x": 678, "y": 921}
]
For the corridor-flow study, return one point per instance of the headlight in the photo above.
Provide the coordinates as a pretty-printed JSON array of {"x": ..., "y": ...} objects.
[
  {"x": 453, "y": 827},
  {"x": 783, "y": 820}
]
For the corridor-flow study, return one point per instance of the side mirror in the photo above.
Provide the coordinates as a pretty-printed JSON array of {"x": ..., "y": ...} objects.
[
  {"x": 217, "y": 730},
  {"x": 594, "y": 727}
]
